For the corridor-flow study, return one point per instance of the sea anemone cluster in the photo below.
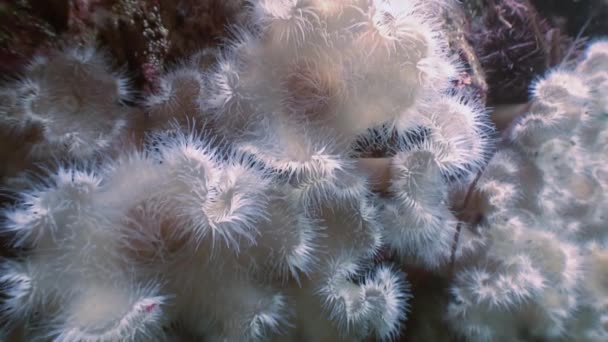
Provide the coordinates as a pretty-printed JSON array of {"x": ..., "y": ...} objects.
[
  {"x": 244, "y": 214},
  {"x": 541, "y": 272},
  {"x": 300, "y": 181}
]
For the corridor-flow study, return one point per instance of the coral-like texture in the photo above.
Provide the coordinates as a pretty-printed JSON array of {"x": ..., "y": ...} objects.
[
  {"x": 67, "y": 104},
  {"x": 538, "y": 276}
]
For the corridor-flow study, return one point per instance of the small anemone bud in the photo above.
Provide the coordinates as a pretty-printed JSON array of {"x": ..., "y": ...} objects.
[
  {"x": 288, "y": 240},
  {"x": 533, "y": 130},
  {"x": 600, "y": 173},
  {"x": 499, "y": 195},
  {"x": 339, "y": 291},
  {"x": 110, "y": 312},
  {"x": 504, "y": 165},
  {"x": 242, "y": 46},
  {"x": 178, "y": 97},
  {"x": 599, "y": 91},
  {"x": 595, "y": 70},
  {"x": 392, "y": 26},
  {"x": 458, "y": 135},
  {"x": 513, "y": 283},
  {"x": 351, "y": 224},
  {"x": 206, "y": 199},
  {"x": 300, "y": 158},
  {"x": 146, "y": 236},
  {"x": 313, "y": 90},
  {"x": 498, "y": 184},
  {"x": 227, "y": 97},
  {"x": 77, "y": 102},
  {"x": 560, "y": 88},
  {"x": 569, "y": 191},
  {"x": 596, "y": 59},
  {"x": 249, "y": 312},
  {"x": 426, "y": 243},
  {"x": 566, "y": 96},
  {"x": 48, "y": 211},
  {"x": 559, "y": 159},
  {"x": 417, "y": 177},
  {"x": 191, "y": 168},
  {"x": 341, "y": 185},
  {"x": 596, "y": 280},
  {"x": 419, "y": 225},
  {"x": 483, "y": 298},
  {"x": 558, "y": 262},
  {"x": 376, "y": 95},
  {"x": 16, "y": 297},
  {"x": 127, "y": 179},
  {"x": 322, "y": 93},
  {"x": 435, "y": 73},
  {"x": 388, "y": 292},
  {"x": 375, "y": 306},
  {"x": 223, "y": 79},
  {"x": 289, "y": 21},
  {"x": 236, "y": 202},
  {"x": 15, "y": 104},
  {"x": 266, "y": 318},
  {"x": 204, "y": 58}
]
